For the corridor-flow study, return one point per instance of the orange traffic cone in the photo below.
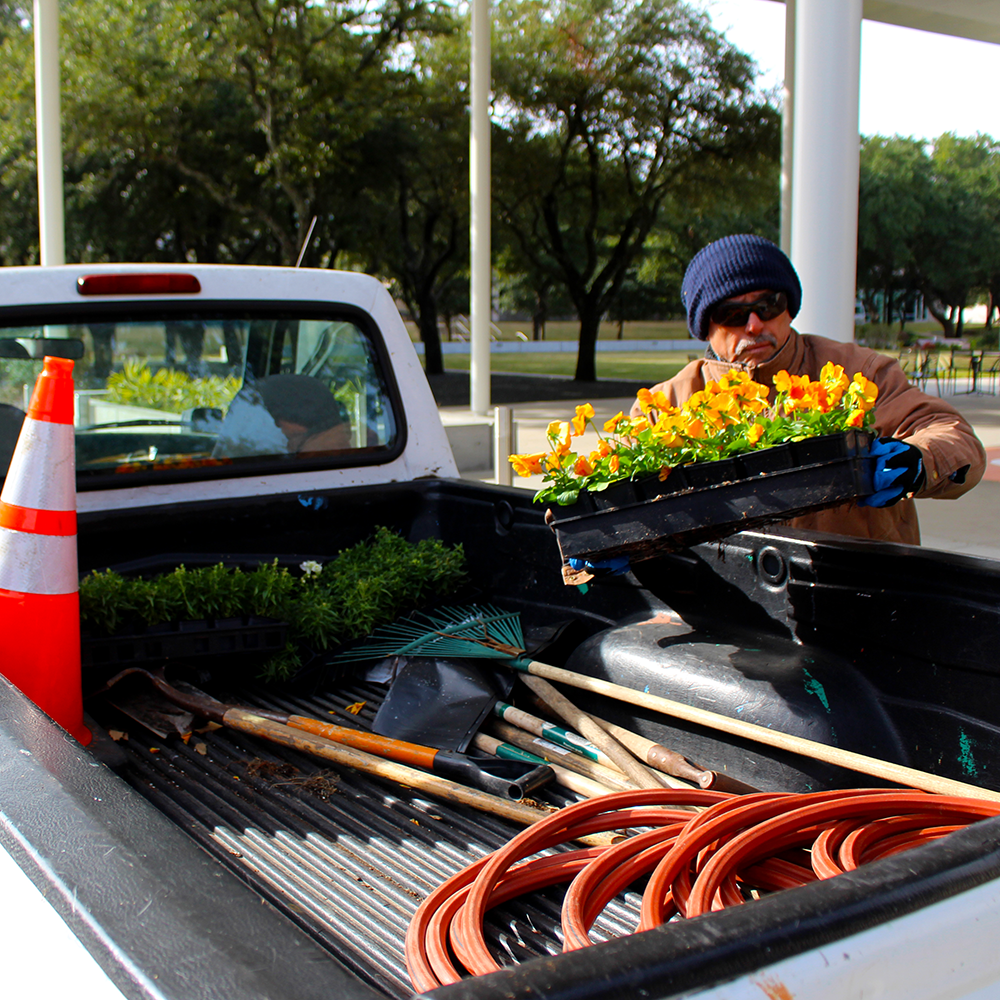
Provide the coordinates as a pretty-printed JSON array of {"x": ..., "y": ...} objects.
[{"x": 39, "y": 588}]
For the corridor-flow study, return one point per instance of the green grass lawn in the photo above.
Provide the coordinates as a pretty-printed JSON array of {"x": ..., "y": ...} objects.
[
  {"x": 641, "y": 366},
  {"x": 570, "y": 330}
]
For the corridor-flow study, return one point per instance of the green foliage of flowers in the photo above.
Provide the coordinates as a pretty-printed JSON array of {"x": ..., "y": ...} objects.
[
  {"x": 169, "y": 390},
  {"x": 361, "y": 587},
  {"x": 725, "y": 418}
]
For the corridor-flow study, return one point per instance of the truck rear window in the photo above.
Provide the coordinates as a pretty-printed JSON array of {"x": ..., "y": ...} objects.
[{"x": 207, "y": 394}]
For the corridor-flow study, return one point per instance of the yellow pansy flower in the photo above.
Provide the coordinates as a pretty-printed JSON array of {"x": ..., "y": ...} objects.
[
  {"x": 584, "y": 413},
  {"x": 527, "y": 465},
  {"x": 611, "y": 426}
]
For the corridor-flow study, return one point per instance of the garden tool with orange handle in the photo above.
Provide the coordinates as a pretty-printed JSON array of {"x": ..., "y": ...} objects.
[{"x": 509, "y": 779}]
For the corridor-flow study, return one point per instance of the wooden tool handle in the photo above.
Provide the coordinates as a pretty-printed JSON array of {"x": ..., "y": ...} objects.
[
  {"x": 672, "y": 763},
  {"x": 358, "y": 760},
  {"x": 381, "y": 746},
  {"x": 585, "y": 725},
  {"x": 613, "y": 780},
  {"x": 655, "y": 755},
  {"x": 568, "y": 779},
  {"x": 747, "y": 730}
]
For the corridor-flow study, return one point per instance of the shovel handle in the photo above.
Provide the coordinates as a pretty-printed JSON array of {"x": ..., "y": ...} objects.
[
  {"x": 336, "y": 753},
  {"x": 637, "y": 773},
  {"x": 411, "y": 754}
]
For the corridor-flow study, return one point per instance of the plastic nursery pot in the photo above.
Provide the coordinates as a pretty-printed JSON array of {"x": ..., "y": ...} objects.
[
  {"x": 722, "y": 498},
  {"x": 185, "y": 640},
  {"x": 765, "y": 461},
  {"x": 702, "y": 475},
  {"x": 619, "y": 494}
]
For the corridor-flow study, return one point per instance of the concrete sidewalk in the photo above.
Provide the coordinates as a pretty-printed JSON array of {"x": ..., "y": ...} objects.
[{"x": 969, "y": 525}]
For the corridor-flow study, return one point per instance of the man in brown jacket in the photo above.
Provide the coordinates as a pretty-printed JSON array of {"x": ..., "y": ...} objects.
[{"x": 741, "y": 294}]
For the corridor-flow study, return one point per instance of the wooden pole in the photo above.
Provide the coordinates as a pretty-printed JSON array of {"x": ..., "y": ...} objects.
[
  {"x": 897, "y": 773},
  {"x": 358, "y": 760},
  {"x": 638, "y": 773}
]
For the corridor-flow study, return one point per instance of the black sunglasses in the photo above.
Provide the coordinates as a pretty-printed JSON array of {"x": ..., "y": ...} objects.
[{"x": 738, "y": 313}]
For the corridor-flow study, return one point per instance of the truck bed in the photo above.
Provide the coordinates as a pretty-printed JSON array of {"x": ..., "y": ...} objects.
[{"x": 341, "y": 862}]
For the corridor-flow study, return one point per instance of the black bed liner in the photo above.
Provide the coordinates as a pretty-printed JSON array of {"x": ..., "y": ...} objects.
[{"x": 340, "y": 876}]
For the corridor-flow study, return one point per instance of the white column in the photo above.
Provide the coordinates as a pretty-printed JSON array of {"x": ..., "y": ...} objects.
[
  {"x": 788, "y": 128},
  {"x": 479, "y": 194},
  {"x": 826, "y": 155},
  {"x": 48, "y": 133}
]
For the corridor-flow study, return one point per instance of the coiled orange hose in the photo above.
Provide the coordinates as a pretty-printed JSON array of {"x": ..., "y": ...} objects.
[{"x": 734, "y": 847}]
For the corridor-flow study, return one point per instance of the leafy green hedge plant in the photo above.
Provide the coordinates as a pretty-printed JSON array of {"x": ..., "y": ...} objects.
[
  {"x": 169, "y": 390},
  {"x": 361, "y": 587}
]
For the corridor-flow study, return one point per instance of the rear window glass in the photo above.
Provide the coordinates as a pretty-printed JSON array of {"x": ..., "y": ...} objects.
[{"x": 207, "y": 394}]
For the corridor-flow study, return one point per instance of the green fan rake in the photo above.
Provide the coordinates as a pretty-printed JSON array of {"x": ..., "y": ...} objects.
[
  {"x": 486, "y": 631},
  {"x": 475, "y": 631}
]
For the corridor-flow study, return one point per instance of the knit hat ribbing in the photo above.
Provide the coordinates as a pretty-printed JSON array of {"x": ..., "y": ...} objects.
[{"x": 733, "y": 266}]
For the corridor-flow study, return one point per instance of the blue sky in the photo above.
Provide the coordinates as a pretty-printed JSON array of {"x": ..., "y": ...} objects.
[{"x": 912, "y": 82}]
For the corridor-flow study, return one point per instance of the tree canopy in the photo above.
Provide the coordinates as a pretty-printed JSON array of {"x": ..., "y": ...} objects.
[
  {"x": 929, "y": 223},
  {"x": 625, "y": 132},
  {"x": 607, "y": 110}
]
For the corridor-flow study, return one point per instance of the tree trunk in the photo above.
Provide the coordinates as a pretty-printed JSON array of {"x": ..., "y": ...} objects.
[
  {"x": 540, "y": 315},
  {"x": 586, "y": 358},
  {"x": 936, "y": 308},
  {"x": 960, "y": 325},
  {"x": 871, "y": 307},
  {"x": 430, "y": 336}
]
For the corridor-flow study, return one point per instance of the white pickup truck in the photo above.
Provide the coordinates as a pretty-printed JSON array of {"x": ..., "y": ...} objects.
[{"x": 149, "y": 867}]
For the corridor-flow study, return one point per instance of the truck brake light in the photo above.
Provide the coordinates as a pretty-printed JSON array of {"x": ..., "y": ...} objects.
[{"x": 137, "y": 284}]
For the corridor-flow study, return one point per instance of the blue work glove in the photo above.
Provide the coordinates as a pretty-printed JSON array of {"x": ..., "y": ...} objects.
[
  {"x": 899, "y": 470},
  {"x": 606, "y": 567}
]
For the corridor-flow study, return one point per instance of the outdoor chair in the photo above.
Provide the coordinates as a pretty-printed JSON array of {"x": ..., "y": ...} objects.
[
  {"x": 990, "y": 372},
  {"x": 909, "y": 361}
]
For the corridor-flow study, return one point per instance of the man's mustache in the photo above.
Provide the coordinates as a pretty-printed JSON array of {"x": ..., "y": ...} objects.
[{"x": 764, "y": 337}]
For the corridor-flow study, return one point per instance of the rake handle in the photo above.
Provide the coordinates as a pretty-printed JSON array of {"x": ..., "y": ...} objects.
[{"x": 760, "y": 734}]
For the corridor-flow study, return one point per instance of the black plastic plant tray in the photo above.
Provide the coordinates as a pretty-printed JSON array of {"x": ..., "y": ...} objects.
[
  {"x": 218, "y": 637},
  {"x": 699, "y": 503}
]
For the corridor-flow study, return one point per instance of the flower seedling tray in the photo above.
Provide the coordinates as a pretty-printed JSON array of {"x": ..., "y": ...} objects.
[
  {"x": 185, "y": 640},
  {"x": 709, "y": 500}
]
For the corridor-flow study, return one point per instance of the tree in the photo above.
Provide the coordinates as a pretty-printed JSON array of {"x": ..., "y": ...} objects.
[
  {"x": 604, "y": 108},
  {"x": 18, "y": 176},
  {"x": 956, "y": 227},
  {"x": 895, "y": 190},
  {"x": 217, "y": 129},
  {"x": 416, "y": 198}
]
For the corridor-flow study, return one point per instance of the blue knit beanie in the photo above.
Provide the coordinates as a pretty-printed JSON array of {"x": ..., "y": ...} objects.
[{"x": 733, "y": 266}]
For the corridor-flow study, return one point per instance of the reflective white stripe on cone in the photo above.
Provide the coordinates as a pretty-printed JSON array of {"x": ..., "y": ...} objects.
[
  {"x": 43, "y": 476},
  {"x": 38, "y": 564}
]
